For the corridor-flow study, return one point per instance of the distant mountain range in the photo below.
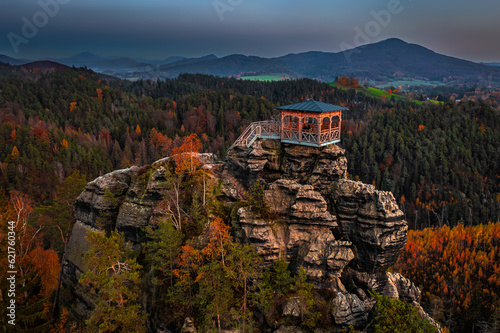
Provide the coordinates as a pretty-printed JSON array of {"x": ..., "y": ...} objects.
[
  {"x": 12, "y": 61},
  {"x": 386, "y": 61}
]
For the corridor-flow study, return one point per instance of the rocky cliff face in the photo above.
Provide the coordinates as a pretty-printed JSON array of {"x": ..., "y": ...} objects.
[{"x": 344, "y": 233}]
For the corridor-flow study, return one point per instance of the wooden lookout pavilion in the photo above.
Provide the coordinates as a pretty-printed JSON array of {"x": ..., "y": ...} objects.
[{"x": 309, "y": 123}]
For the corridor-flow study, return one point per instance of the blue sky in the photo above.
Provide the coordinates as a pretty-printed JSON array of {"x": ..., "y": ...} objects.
[{"x": 158, "y": 29}]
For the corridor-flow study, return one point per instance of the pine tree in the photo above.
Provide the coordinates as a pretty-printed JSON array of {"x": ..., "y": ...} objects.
[
  {"x": 113, "y": 277},
  {"x": 393, "y": 315},
  {"x": 245, "y": 266},
  {"x": 302, "y": 291},
  {"x": 162, "y": 250}
]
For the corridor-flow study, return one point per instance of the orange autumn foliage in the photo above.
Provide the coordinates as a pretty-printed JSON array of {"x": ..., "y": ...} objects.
[
  {"x": 155, "y": 137},
  {"x": 41, "y": 133},
  {"x": 46, "y": 262},
  {"x": 347, "y": 81},
  {"x": 160, "y": 141},
  {"x": 482, "y": 128},
  {"x": 15, "y": 152},
  {"x": 190, "y": 260},
  {"x": 32, "y": 261},
  {"x": 220, "y": 240},
  {"x": 186, "y": 155},
  {"x": 99, "y": 93},
  {"x": 460, "y": 266},
  {"x": 63, "y": 325},
  {"x": 64, "y": 143}
]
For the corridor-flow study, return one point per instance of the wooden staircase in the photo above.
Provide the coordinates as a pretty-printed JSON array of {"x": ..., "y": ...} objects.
[{"x": 259, "y": 129}]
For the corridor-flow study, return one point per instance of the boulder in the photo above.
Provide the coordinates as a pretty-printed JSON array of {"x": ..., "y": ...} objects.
[
  {"x": 348, "y": 310},
  {"x": 407, "y": 291},
  {"x": 292, "y": 307},
  {"x": 188, "y": 326}
]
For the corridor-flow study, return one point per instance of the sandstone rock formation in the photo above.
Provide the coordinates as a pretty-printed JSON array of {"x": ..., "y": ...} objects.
[
  {"x": 301, "y": 234},
  {"x": 269, "y": 160},
  {"x": 122, "y": 199},
  {"x": 349, "y": 310},
  {"x": 344, "y": 233}
]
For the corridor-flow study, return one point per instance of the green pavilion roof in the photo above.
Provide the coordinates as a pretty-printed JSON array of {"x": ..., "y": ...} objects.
[{"x": 312, "y": 106}]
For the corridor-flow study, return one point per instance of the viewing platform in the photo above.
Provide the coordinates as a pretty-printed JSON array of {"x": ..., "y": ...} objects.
[{"x": 309, "y": 123}]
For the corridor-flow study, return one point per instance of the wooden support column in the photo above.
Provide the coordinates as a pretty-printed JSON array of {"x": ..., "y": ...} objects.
[
  {"x": 340, "y": 123},
  {"x": 330, "y": 118},
  {"x": 319, "y": 121},
  {"x": 300, "y": 127},
  {"x": 282, "y": 129}
]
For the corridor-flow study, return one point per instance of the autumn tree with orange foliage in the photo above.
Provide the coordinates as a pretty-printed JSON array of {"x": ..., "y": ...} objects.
[
  {"x": 159, "y": 142},
  {"x": 188, "y": 190},
  {"x": 36, "y": 268},
  {"x": 215, "y": 278},
  {"x": 184, "y": 293},
  {"x": 219, "y": 243},
  {"x": 99, "y": 94},
  {"x": 186, "y": 155},
  {"x": 215, "y": 294},
  {"x": 458, "y": 270},
  {"x": 346, "y": 81},
  {"x": 15, "y": 152},
  {"x": 186, "y": 172}
]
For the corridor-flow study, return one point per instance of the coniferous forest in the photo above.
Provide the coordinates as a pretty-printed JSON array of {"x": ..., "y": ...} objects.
[{"x": 61, "y": 128}]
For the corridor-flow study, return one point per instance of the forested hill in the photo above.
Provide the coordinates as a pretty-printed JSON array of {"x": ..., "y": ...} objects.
[
  {"x": 382, "y": 62},
  {"x": 439, "y": 160},
  {"x": 56, "y": 121}
]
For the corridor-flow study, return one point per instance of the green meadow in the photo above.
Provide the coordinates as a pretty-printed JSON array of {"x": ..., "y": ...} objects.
[
  {"x": 379, "y": 93},
  {"x": 269, "y": 77}
]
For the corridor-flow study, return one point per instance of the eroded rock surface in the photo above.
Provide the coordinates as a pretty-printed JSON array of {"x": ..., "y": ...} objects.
[
  {"x": 301, "y": 233},
  {"x": 372, "y": 221},
  {"x": 102, "y": 197},
  {"x": 349, "y": 310},
  {"x": 344, "y": 233},
  {"x": 269, "y": 160},
  {"x": 325, "y": 221}
]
